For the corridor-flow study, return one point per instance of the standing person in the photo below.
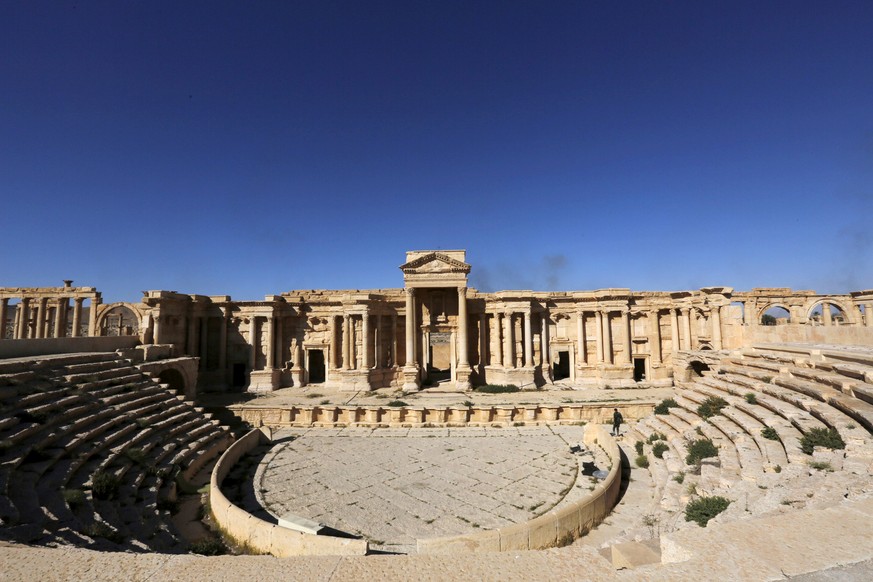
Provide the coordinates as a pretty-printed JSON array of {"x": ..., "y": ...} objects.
[{"x": 616, "y": 422}]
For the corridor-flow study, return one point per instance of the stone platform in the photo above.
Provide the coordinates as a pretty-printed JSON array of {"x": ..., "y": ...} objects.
[{"x": 394, "y": 486}]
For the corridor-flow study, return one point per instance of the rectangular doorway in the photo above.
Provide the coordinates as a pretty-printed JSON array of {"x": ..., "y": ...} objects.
[
  {"x": 562, "y": 366},
  {"x": 239, "y": 375},
  {"x": 639, "y": 369},
  {"x": 316, "y": 366}
]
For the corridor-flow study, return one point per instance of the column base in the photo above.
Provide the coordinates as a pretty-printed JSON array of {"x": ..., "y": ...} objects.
[
  {"x": 462, "y": 379},
  {"x": 264, "y": 380},
  {"x": 410, "y": 379}
]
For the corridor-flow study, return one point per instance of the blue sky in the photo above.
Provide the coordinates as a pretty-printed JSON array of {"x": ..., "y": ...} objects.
[{"x": 250, "y": 148}]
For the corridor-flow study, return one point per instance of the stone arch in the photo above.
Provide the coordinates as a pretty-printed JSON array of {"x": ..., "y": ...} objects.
[
  {"x": 776, "y": 305},
  {"x": 119, "y": 319},
  {"x": 696, "y": 368},
  {"x": 174, "y": 378},
  {"x": 843, "y": 312}
]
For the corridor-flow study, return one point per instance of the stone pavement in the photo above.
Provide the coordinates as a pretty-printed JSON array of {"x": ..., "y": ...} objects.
[{"x": 394, "y": 486}]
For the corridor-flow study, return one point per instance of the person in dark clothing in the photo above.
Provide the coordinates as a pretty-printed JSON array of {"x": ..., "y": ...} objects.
[{"x": 616, "y": 422}]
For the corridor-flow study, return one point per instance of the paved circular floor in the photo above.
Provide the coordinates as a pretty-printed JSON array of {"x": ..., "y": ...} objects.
[{"x": 394, "y": 486}]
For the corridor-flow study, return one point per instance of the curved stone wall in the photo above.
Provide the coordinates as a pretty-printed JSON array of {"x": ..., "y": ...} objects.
[
  {"x": 550, "y": 529},
  {"x": 417, "y": 416},
  {"x": 262, "y": 536}
]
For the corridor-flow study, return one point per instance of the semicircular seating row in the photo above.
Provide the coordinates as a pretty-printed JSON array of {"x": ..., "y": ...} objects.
[
  {"x": 789, "y": 389},
  {"x": 89, "y": 452}
]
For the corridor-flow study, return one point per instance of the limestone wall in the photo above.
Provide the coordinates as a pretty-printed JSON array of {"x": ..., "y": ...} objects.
[
  {"x": 259, "y": 535},
  {"x": 555, "y": 528},
  {"x": 65, "y": 345}
]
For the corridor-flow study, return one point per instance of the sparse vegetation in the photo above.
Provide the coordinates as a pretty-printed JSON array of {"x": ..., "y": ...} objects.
[
  {"x": 135, "y": 454},
  {"x": 208, "y": 547},
  {"x": 821, "y": 466},
  {"x": 496, "y": 388},
  {"x": 104, "y": 485},
  {"x": 98, "y": 529},
  {"x": 751, "y": 398},
  {"x": 711, "y": 406},
  {"x": 467, "y": 403},
  {"x": 659, "y": 448},
  {"x": 705, "y": 508},
  {"x": 397, "y": 403},
  {"x": 679, "y": 477},
  {"x": 821, "y": 437},
  {"x": 700, "y": 449},
  {"x": 638, "y": 446},
  {"x": 74, "y": 497},
  {"x": 315, "y": 395},
  {"x": 768, "y": 432},
  {"x": 656, "y": 436},
  {"x": 665, "y": 405},
  {"x": 642, "y": 461},
  {"x": 324, "y": 402}
]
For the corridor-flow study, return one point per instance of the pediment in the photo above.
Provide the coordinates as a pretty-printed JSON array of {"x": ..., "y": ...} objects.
[{"x": 435, "y": 263}]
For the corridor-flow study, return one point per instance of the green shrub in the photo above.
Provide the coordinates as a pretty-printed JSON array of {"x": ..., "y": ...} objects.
[
  {"x": 208, "y": 547},
  {"x": 642, "y": 461},
  {"x": 467, "y": 403},
  {"x": 768, "y": 432},
  {"x": 655, "y": 436},
  {"x": 73, "y": 497},
  {"x": 751, "y": 398},
  {"x": 665, "y": 405},
  {"x": 700, "y": 449},
  {"x": 638, "y": 446},
  {"x": 98, "y": 529},
  {"x": 821, "y": 437},
  {"x": 496, "y": 388},
  {"x": 679, "y": 477},
  {"x": 821, "y": 466},
  {"x": 658, "y": 449},
  {"x": 397, "y": 403},
  {"x": 104, "y": 485},
  {"x": 135, "y": 454},
  {"x": 705, "y": 508},
  {"x": 711, "y": 406}
]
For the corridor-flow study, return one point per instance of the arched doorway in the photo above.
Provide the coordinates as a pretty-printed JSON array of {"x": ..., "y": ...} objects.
[{"x": 174, "y": 379}]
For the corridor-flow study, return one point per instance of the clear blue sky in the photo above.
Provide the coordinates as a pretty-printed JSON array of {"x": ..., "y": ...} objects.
[{"x": 249, "y": 148}]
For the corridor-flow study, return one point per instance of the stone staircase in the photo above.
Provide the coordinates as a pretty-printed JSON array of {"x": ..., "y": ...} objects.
[{"x": 91, "y": 450}]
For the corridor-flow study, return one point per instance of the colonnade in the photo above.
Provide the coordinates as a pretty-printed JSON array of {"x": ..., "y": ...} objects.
[{"x": 45, "y": 315}]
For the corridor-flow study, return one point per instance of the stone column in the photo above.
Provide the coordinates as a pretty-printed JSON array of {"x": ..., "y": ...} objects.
[
  {"x": 508, "y": 360},
  {"x": 253, "y": 339},
  {"x": 4, "y": 307},
  {"x": 334, "y": 344},
  {"x": 59, "y": 316},
  {"x": 826, "y": 314},
  {"x": 77, "y": 318},
  {"x": 365, "y": 340},
  {"x": 270, "y": 333},
  {"x": 393, "y": 361},
  {"x": 222, "y": 340},
  {"x": 528, "y": 341},
  {"x": 280, "y": 345},
  {"x": 346, "y": 349},
  {"x": 674, "y": 330},
  {"x": 40, "y": 319},
  {"x": 655, "y": 337},
  {"x": 463, "y": 356},
  {"x": 627, "y": 355},
  {"x": 92, "y": 317},
  {"x": 158, "y": 327},
  {"x": 607, "y": 338},
  {"x": 16, "y": 323},
  {"x": 544, "y": 339},
  {"x": 580, "y": 338},
  {"x": 483, "y": 340},
  {"x": 410, "y": 327},
  {"x": 686, "y": 328},
  {"x": 715, "y": 315},
  {"x": 598, "y": 334},
  {"x": 377, "y": 342},
  {"x": 868, "y": 314},
  {"x": 204, "y": 341},
  {"x": 498, "y": 336},
  {"x": 191, "y": 339}
]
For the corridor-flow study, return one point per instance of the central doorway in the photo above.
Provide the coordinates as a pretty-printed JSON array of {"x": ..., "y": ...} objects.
[
  {"x": 316, "y": 366},
  {"x": 562, "y": 366},
  {"x": 639, "y": 369}
]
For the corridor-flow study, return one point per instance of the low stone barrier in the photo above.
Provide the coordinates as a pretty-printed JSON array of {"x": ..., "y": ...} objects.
[
  {"x": 445, "y": 416},
  {"x": 259, "y": 535},
  {"x": 24, "y": 348},
  {"x": 554, "y": 528}
]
